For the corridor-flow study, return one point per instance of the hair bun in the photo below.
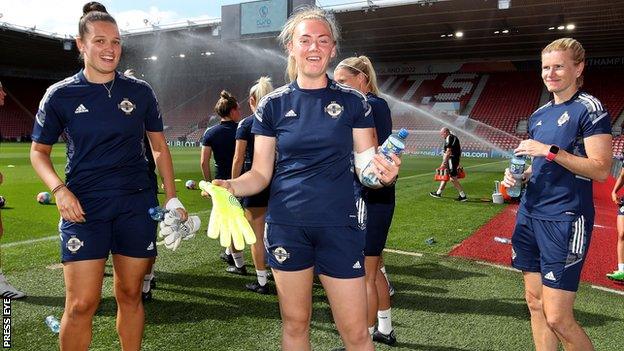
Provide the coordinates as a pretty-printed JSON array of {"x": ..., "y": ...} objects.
[
  {"x": 93, "y": 6},
  {"x": 225, "y": 95}
]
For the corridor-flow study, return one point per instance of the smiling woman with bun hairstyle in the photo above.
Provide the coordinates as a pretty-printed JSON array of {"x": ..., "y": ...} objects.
[{"x": 104, "y": 200}]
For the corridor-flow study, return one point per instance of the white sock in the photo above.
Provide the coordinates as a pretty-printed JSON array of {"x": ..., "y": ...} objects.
[
  {"x": 146, "y": 283},
  {"x": 371, "y": 330},
  {"x": 151, "y": 273},
  {"x": 383, "y": 270},
  {"x": 620, "y": 267},
  {"x": 262, "y": 277},
  {"x": 228, "y": 251},
  {"x": 462, "y": 194},
  {"x": 439, "y": 191},
  {"x": 384, "y": 321},
  {"x": 239, "y": 260}
]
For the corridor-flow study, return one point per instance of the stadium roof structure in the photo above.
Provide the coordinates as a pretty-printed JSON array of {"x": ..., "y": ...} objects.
[
  {"x": 479, "y": 29},
  {"x": 32, "y": 53},
  {"x": 385, "y": 30}
]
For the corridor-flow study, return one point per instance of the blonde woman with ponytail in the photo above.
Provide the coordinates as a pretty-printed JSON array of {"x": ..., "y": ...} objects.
[
  {"x": 358, "y": 73},
  {"x": 305, "y": 135},
  {"x": 255, "y": 205}
]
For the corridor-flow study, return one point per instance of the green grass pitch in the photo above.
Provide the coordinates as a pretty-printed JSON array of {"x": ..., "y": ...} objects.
[{"x": 442, "y": 303}]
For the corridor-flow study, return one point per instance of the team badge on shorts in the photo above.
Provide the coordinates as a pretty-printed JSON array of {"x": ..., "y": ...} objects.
[
  {"x": 334, "y": 109},
  {"x": 281, "y": 254},
  {"x": 564, "y": 118},
  {"x": 74, "y": 244},
  {"x": 126, "y": 106}
]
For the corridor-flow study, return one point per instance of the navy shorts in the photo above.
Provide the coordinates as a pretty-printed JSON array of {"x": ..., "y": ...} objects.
[
  {"x": 333, "y": 251},
  {"x": 377, "y": 227},
  {"x": 119, "y": 225},
  {"x": 556, "y": 249},
  {"x": 259, "y": 200}
]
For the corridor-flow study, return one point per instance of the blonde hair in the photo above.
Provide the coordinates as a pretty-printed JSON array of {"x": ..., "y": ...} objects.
[
  {"x": 363, "y": 65},
  {"x": 227, "y": 102},
  {"x": 262, "y": 87},
  {"x": 576, "y": 49},
  {"x": 301, "y": 14}
]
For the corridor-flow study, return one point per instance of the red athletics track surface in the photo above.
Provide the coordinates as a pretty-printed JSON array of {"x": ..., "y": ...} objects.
[{"x": 600, "y": 260}]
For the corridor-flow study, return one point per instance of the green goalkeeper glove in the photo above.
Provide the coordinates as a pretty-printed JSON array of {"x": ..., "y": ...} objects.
[{"x": 227, "y": 219}]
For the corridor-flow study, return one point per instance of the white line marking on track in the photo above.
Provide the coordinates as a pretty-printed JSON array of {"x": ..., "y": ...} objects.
[
  {"x": 408, "y": 253},
  {"x": 619, "y": 292},
  {"x": 498, "y": 266}
]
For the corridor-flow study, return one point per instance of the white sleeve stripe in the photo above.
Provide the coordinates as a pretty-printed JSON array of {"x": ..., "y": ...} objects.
[
  {"x": 48, "y": 95},
  {"x": 594, "y": 99},
  {"x": 600, "y": 117},
  {"x": 591, "y": 104}
]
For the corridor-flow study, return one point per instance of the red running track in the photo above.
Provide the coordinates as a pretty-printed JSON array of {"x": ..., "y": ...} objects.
[{"x": 601, "y": 259}]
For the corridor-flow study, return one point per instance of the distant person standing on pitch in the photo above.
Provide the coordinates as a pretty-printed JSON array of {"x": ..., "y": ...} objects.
[
  {"x": 104, "y": 204},
  {"x": 618, "y": 274},
  {"x": 358, "y": 73},
  {"x": 220, "y": 141},
  {"x": 570, "y": 143},
  {"x": 306, "y": 135},
  {"x": 7, "y": 291},
  {"x": 256, "y": 205},
  {"x": 450, "y": 160}
]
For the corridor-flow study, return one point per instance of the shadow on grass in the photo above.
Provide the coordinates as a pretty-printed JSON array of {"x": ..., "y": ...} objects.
[
  {"x": 496, "y": 307},
  {"x": 431, "y": 270}
]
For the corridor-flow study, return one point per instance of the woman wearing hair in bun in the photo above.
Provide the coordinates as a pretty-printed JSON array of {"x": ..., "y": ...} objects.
[
  {"x": 255, "y": 205},
  {"x": 358, "y": 73},
  {"x": 219, "y": 140},
  {"x": 105, "y": 200}
]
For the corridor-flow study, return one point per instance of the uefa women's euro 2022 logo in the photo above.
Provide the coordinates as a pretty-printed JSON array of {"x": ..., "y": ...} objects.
[{"x": 263, "y": 21}]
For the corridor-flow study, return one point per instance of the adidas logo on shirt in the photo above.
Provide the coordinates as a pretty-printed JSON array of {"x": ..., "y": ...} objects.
[
  {"x": 550, "y": 276},
  {"x": 357, "y": 265},
  {"x": 290, "y": 113},
  {"x": 151, "y": 246},
  {"x": 539, "y": 123},
  {"x": 81, "y": 109}
]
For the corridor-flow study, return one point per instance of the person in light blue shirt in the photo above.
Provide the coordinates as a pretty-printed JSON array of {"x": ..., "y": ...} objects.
[
  {"x": 570, "y": 144},
  {"x": 306, "y": 135}
]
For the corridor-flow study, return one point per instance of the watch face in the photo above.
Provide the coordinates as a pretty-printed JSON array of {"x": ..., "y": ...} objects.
[{"x": 554, "y": 149}]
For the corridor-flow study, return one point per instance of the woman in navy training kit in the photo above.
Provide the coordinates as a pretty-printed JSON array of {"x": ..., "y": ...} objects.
[
  {"x": 104, "y": 204},
  {"x": 358, "y": 73},
  {"x": 255, "y": 205},
  {"x": 220, "y": 141},
  {"x": 315, "y": 125},
  {"x": 570, "y": 144}
]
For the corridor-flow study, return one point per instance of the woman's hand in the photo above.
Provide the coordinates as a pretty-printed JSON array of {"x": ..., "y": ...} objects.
[
  {"x": 68, "y": 205},
  {"x": 386, "y": 171}
]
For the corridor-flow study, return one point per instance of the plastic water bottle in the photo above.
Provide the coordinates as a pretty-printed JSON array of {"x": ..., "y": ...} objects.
[
  {"x": 160, "y": 214},
  {"x": 516, "y": 168},
  {"x": 501, "y": 240},
  {"x": 53, "y": 324},
  {"x": 395, "y": 144}
]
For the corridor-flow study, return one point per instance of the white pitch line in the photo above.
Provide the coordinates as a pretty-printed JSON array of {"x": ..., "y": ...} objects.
[
  {"x": 469, "y": 167},
  {"x": 619, "y": 292},
  {"x": 408, "y": 253},
  {"x": 52, "y": 237},
  {"x": 30, "y": 241},
  {"x": 498, "y": 266}
]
